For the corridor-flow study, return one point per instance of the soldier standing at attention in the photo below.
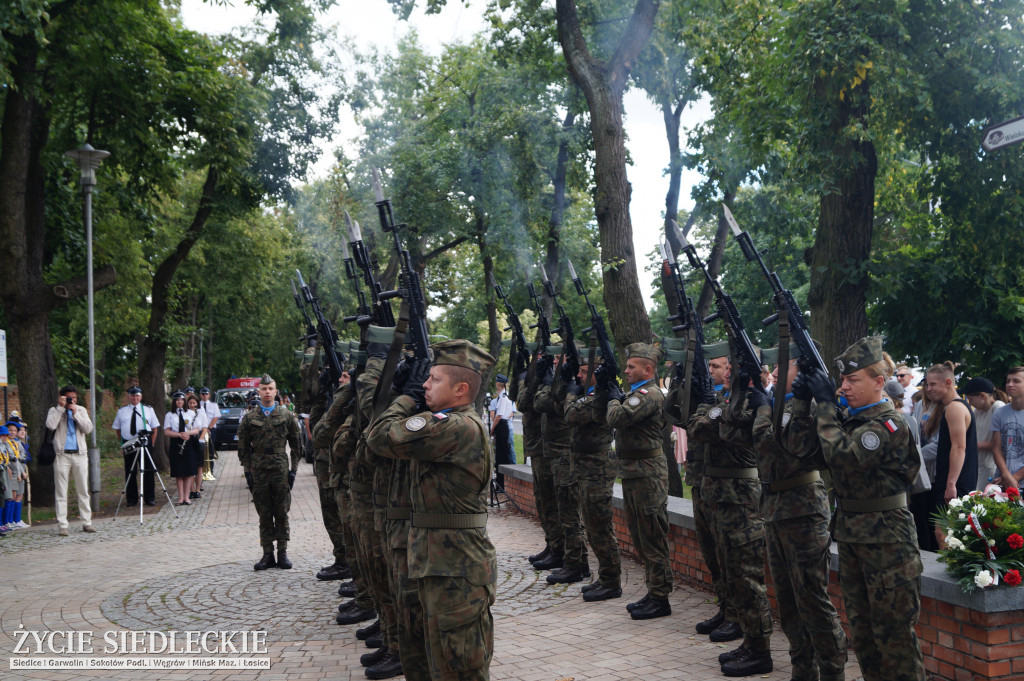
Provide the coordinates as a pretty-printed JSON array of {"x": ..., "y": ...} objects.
[
  {"x": 639, "y": 420},
  {"x": 796, "y": 510},
  {"x": 451, "y": 559},
  {"x": 873, "y": 459},
  {"x": 262, "y": 436},
  {"x": 596, "y": 469}
]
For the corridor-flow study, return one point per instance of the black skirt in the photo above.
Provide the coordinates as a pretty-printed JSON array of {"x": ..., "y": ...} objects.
[{"x": 185, "y": 457}]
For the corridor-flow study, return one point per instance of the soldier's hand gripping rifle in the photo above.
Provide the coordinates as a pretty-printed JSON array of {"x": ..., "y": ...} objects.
[
  {"x": 747, "y": 359},
  {"x": 328, "y": 337},
  {"x": 809, "y": 358},
  {"x": 695, "y": 372},
  {"x": 310, "y": 337},
  {"x": 520, "y": 354},
  {"x": 380, "y": 312},
  {"x": 611, "y": 366},
  {"x": 411, "y": 290},
  {"x": 571, "y": 354}
]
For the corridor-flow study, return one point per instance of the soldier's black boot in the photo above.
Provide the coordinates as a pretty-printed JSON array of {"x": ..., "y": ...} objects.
[
  {"x": 540, "y": 556},
  {"x": 366, "y": 632},
  {"x": 731, "y": 655},
  {"x": 726, "y": 631},
  {"x": 333, "y": 572},
  {"x": 638, "y": 604},
  {"x": 267, "y": 561},
  {"x": 567, "y": 575},
  {"x": 282, "y": 560},
  {"x": 553, "y": 561},
  {"x": 600, "y": 592},
  {"x": 355, "y": 615},
  {"x": 387, "y": 668},
  {"x": 709, "y": 625},
  {"x": 749, "y": 663},
  {"x": 656, "y": 607},
  {"x": 347, "y": 590},
  {"x": 370, "y": 659},
  {"x": 374, "y": 642}
]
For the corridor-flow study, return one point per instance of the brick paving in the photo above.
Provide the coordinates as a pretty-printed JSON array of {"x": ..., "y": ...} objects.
[{"x": 194, "y": 573}]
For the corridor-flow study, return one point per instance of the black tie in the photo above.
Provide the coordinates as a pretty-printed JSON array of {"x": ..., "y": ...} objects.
[
  {"x": 181, "y": 422},
  {"x": 134, "y": 414}
]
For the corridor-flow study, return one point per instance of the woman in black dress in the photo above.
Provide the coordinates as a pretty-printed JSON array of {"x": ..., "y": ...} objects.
[{"x": 182, "y": 432}]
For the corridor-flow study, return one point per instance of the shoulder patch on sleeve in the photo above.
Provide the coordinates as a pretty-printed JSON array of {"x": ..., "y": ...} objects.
[
  {"x": 440, "y": 416},
  {"x": 870, "y": 441},
  {"x": 642, "y": 391},
  {"x": 715, "y": 412},
  {"x": 415, "y": 423},
  {"x": 891, "y": 426},
  {"x": 633, "y": 401}
]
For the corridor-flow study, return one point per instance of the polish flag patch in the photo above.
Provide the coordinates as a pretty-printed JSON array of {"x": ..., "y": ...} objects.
[{"x": 891, "y": 426}]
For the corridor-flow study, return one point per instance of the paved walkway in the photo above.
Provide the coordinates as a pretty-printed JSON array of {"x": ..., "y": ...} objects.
[{"x": 194, "y": 573}]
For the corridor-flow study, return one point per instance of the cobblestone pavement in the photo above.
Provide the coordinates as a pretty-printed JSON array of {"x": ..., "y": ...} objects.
[{"x": 194, "y": 573}]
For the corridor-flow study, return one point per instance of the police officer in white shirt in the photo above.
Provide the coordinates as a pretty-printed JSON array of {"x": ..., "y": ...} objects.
[
  {"x": 133, "y": 420},
  {"x": 501, "y": 422}
]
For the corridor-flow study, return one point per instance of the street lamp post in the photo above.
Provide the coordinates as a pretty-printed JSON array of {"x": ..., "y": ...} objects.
[{"x": 88, "y": 160}]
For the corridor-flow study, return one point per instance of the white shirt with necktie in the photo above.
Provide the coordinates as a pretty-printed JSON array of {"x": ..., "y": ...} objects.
[{"x": 123, "y": 420}]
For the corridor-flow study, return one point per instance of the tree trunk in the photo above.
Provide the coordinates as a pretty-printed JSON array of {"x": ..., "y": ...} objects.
[
  {"x": 838, "y": 293},
  {"x": 675, "y": 158},
  {"x": 602, "y": 84}
]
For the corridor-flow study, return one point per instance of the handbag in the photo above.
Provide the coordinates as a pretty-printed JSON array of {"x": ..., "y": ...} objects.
[{"x": 47, "y": 454}]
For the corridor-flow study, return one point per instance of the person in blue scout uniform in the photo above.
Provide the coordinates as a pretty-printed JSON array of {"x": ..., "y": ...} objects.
[
  {"x": 638, "y": 420},
  {"x": 873, "y": 460}
]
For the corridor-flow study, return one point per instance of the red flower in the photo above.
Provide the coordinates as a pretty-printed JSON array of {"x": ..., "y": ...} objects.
[
  {"x": 986, "y": 526},
  {"x": 1015, "y": 541},
  {"x": 1012, "y": 577},
  {"x": 1012, "y": 492}
]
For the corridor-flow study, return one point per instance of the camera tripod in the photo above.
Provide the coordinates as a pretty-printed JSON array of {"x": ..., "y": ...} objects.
[{"x": 142, "y": 455}]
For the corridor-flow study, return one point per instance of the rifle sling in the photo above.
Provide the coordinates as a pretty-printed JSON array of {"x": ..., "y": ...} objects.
[
  {"x": 783, "y": 359},
  {"x": 684, "y": 392},
  {"x": 382, "y": 396},
  {"x": 591, "y": 358}
]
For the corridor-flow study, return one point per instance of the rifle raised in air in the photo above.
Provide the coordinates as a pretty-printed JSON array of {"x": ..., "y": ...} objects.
[
  {"x": 564, "y": 330},
  {"x": 688, "y": 322},
  {"x": 380, "y": 311},
  {"x": 520, "y": 354},
  {"x": 310, "y": 336},
  {"x": 597, "y": 326},
  {"x": 747, "y": 359},
  {"x": 328, "y": 336}
]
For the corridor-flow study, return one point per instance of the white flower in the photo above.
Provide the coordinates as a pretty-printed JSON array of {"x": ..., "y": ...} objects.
[
  {"x": 956, "y": 503},
  {"x": 962, "y": 517},
  {"x": 983, "y": 578},
  {"x": 981, "y": 511},
  {"x": 954, "y": 543},
  {"x": 991, "y": 542}
]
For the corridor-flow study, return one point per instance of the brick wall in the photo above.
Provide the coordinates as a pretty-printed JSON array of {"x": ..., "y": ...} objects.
[{"x": 964, "y": 637}]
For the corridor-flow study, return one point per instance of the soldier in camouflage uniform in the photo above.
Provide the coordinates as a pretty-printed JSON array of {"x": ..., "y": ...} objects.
[
  {"x": 796, "y": 509},
  {"x": 342, "y": 452},
  {"x": 450, "y": 557},
  {"x": 733, "y": 491},
  {"x": 696, "y": 454},
  {"x": 543, "y": 480},
  {"x": 550, "y": 401},
  {"x": 322, "y": 464},
  {"x": 262, "y": 436},
  {"x": 596, "y": 467},
  {"x": 638, "y": 419},
  {"x": 873, "y": 460}
]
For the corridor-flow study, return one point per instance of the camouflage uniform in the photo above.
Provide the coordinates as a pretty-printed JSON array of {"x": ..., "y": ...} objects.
[
  {"x": 596, "y": 468},
  {"x": 543, "y": 482},
  {"x": 732, "y": 492},
  {"x": 371, "y": 540},
  {"x": 796, "y": 509},
  {"x": 639, "y": 421},
  {"x": 557, "y": 436},
  {"x": 451, "y": 560},
  {"x": 873, "y": 459},
  {"x": 343, "y": 453},
  {"x": 323, "y": 430},
  {"x": 696, "y": 453},
  {"x": 261, "y": 451}
]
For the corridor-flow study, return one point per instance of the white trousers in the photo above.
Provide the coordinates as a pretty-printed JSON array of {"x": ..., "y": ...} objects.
[{"x": 62, "y": 468}]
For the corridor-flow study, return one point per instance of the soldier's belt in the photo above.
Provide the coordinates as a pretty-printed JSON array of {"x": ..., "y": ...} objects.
[
  {"x": 397, "y": 513},
  {"x": 741, "y": 473},
  {"x": 380, "y": 500},
  {"x": 591, "y": 449},
  {"x": 890, "y": 503},
  {"x": 639, "y": 453},
  {"x": 360, "y": 487},
  {"x": 449, "y": 521},
  {"x": 793, "y": 483}
]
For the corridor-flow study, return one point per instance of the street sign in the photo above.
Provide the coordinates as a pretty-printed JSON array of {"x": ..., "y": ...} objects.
[
  {"x": 3, "y": 358},
  {"x": 1003, "y": 135}
]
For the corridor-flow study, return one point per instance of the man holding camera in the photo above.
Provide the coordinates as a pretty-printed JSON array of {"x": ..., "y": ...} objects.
[
  {"x": 137, "y": 420},
  {"x": 71, "y": 423}
]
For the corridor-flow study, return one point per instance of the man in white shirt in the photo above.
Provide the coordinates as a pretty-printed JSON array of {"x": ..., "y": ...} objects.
[
  {"x": 133, "y": 420},
  {"x": 212, "y": 413},
  {"x": 905, "y": 377},
  {"x": 71, "y": 423},
  {"x": 500, "y": 425}
]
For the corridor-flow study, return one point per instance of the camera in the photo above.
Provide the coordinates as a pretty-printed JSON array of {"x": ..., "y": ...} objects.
[
  {"x": 69, "y": 399},
  {"x": 135, "y": 444}
]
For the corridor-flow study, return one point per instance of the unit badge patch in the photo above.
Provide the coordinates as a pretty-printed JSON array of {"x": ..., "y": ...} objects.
[{"x": 415, "y": 423}]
